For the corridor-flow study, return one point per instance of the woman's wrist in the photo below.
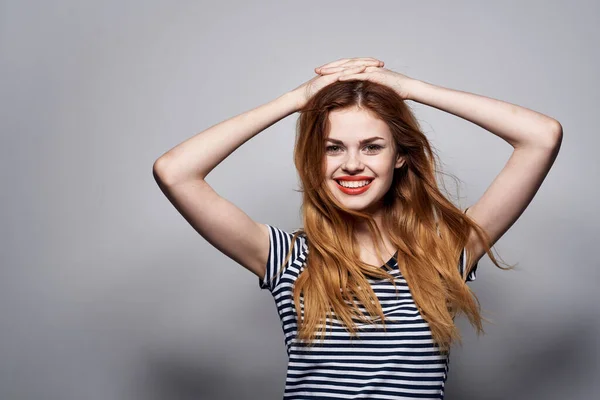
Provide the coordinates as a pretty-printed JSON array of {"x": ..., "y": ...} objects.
[
  {"x": 414, "y": 87},
  {"x": 295, "y": 98}
]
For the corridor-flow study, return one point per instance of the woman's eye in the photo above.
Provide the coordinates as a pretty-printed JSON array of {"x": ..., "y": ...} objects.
[{"x": 373, "y": 147}]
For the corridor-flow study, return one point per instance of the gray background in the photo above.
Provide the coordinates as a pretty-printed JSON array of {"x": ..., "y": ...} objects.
[{"x": 107, "y": 292}]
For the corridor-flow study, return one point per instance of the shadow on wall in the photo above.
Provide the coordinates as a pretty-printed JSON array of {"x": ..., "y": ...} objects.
[
  {"x": 555, "y": 363},
  {"x": 176, "y": 377}
]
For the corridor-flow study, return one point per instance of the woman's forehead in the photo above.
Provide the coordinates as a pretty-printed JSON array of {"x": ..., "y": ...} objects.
[{"x": 355, "y": 125}]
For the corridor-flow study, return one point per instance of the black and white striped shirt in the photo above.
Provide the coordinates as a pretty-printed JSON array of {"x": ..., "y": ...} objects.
[{"x": 402, "y": 363}]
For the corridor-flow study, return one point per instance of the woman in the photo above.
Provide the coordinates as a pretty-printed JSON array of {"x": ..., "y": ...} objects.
[{"x": 369, "y": 195}]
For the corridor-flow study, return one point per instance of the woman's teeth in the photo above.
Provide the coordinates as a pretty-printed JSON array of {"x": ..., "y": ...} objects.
[{"x": 353, "y": 184}]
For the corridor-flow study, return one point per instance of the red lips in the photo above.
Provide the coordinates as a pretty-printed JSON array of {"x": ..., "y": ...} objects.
[{"x": 357, "y": 190}]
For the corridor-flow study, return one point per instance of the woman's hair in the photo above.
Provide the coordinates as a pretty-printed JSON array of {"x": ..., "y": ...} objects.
[{"x": 428, "y": 231}]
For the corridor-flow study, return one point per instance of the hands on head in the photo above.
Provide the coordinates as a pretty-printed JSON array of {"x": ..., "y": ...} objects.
[{"x": 359, "y": 68}]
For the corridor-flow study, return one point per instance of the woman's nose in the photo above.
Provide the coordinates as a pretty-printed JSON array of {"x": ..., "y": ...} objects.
[{"x": 353, "y": 162}]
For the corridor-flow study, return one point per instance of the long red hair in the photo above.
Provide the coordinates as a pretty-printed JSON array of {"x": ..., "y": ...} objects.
[{"x": 428, "y": 231}]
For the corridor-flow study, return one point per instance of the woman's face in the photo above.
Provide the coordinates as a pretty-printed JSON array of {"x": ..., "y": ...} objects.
[{"x": 370, "y": 161}]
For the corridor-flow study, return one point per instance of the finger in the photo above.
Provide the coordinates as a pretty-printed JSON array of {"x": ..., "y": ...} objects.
[
  {"x": 352, "y": 70},
  {"x": 335, "y": 75},
  {"x": 357, "y": 71},
  {"x": 349, "y": 60},
  {"x": 356, "y": 64},
  {"x": 328, "y": 70},
  {"x": 370, "y": 64},
  {"x": 373, "y": 69}
]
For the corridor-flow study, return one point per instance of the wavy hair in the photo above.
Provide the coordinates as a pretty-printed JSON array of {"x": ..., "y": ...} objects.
[{"x": 427, "y": 230}]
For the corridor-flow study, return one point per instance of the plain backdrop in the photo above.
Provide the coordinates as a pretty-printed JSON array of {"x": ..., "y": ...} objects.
[{"x": 108, "y": 294}]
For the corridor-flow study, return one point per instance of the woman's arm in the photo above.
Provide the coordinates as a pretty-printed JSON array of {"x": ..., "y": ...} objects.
[
  {"x": 519, "y": 126},
  {"x": 535, "y": 137},
  {"x": 180, "y": 175}
]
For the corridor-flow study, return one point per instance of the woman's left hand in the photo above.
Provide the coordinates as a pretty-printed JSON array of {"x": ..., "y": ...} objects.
[{"x": 402, "y": 84}]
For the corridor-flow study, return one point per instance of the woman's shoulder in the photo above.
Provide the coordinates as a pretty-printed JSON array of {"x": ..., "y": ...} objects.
[
  {"x": 283, "y": 239},
  {"x": 281, "y": 244}
]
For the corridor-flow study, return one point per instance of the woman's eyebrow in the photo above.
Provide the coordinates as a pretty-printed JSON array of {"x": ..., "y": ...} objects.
[{"x": 371, "y": 139}]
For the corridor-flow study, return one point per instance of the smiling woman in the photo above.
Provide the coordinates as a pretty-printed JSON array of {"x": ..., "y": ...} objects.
[
  {"x": 374, "y": 198},
  {"x": 356, "y": 158}
]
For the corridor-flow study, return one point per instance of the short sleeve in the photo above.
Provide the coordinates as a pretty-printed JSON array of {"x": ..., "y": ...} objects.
[
  {"x": 461, "y": 266},
  {"x": 280, "y": 242}
]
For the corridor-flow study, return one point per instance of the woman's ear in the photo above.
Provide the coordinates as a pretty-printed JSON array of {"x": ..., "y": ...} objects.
[{"x": 399, "y": 161}]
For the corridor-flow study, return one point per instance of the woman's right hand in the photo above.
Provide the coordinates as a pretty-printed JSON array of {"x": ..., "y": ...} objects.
[{"x": 345, "y": 66}]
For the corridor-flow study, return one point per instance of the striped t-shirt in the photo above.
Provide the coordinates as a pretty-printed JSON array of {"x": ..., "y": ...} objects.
[{"x": 402, "y": 363}]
